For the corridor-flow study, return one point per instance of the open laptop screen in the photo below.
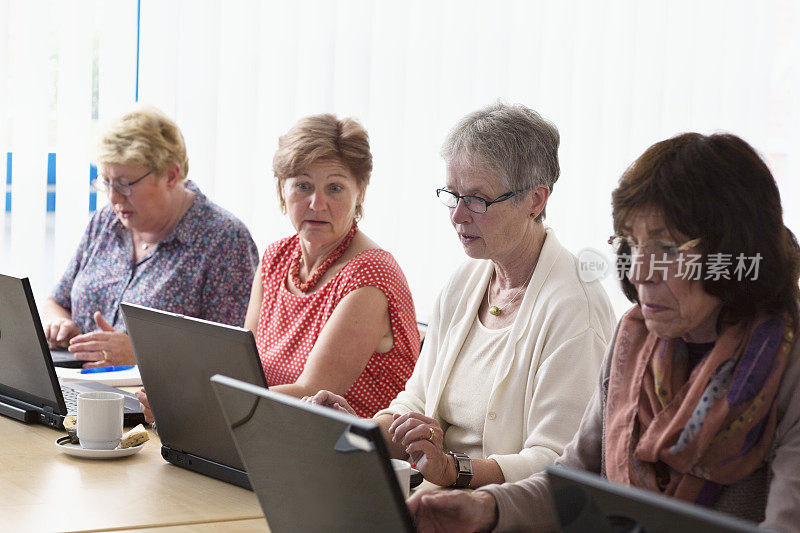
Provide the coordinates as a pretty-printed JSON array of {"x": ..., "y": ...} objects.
[
  {"x": 176, "y": 356},
  {"x": 586, "y": 502},
  {"x": 24, "y": 372},
  {"x": 313, "y": 468}
]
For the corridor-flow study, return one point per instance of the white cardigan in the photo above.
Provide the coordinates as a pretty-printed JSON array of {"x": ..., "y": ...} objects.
[{"x": 550, "y": 363}]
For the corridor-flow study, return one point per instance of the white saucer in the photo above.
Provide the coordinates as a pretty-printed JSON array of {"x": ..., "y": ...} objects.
[{"x": 65, "y": 446}]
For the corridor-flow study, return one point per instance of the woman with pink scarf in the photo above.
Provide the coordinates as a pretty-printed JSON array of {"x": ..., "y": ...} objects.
[{"x": 695, "y": 399}]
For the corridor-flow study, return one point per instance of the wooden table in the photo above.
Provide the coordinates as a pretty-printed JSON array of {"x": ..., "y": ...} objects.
[
  {"x": 44, "y": 489},
  {"x": 236, "y": 526}
]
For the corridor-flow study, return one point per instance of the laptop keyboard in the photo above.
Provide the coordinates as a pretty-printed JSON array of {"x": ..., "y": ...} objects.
[{"x": 70, "y": 398}]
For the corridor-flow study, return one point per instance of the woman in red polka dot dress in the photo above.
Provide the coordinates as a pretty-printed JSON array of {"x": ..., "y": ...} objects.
[{"x": 329, "y": 308}]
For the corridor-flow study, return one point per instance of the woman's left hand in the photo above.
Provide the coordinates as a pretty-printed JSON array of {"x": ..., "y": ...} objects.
[
  {"x": 423, "y": 439},
  {"x": 106, "y": 346},
  {"x": 329, "y": 399},
  {"x": 141, "y": 395},
  {"x": 453, "y": 511}
]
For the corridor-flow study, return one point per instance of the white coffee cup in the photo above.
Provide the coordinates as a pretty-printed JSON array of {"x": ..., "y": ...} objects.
[
  {"x": 100, "y": 419},
  {"x": 402, "y": 469}
]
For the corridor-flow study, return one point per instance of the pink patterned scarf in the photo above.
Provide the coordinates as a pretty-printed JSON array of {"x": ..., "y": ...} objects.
[{"x": 689, "y": 432}]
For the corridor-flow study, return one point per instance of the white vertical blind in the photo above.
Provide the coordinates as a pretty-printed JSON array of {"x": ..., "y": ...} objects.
[
  {"x": 237, "y": 106},
  {"x": 28, "y": 119},
  {"x": 116, "y": 30},
  {"x": 787, "y": 138},
  {"x": 47, "y": 50},
  {"x": 614, "y": 77},
  {"x": 74, "y": 127},
  {"x": 4, "y": 146}
]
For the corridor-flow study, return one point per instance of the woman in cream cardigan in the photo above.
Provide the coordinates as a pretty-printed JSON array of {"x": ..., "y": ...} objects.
[{"x": 516, "y": 338}]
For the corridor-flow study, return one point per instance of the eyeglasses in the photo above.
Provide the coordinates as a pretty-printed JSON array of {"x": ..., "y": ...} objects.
[
  {"x": 657, "y": 249},
  {"x": 102, "y": 184},
  {"x": 476, "y": 204}
]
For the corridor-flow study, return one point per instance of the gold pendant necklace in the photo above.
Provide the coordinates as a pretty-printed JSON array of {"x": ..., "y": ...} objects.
[{"x": 495, "y": 310}]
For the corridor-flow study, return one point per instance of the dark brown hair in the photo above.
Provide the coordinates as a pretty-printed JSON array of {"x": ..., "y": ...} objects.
[
  {"x": 323, "y": 137},
  {"x": 717, "y": 188}
]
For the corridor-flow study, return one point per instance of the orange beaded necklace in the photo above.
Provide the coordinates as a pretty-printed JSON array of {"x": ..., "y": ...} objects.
[{"x": 313, "y": 279}]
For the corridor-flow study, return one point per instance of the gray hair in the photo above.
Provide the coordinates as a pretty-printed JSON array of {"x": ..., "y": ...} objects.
[{"x": 511, "y": 140}]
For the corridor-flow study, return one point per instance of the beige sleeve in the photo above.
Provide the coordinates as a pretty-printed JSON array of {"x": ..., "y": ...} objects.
[
  {"x": 557, "y": 405},
  {"x": 527, "y": 505}
]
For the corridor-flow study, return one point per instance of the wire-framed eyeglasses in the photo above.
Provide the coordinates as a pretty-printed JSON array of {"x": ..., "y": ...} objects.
[
  {"x": 658, "y": 249},
  {"x": 476, "y": 204},
  {"x": 102, "y": 184}
]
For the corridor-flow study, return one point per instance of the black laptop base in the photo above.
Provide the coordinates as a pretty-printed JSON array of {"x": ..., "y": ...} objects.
[
  {"x": 65, "y": 358},
  {"x": 13, "y": 408},
  {"x": 206, "y": 467},
  {"x": 7, "y": 408}
]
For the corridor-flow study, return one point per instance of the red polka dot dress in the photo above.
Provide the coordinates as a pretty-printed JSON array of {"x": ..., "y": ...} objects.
[{"x": 288, "y": 325}]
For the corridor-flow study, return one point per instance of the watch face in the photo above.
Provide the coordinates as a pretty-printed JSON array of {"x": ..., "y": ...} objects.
[{"x": 464, "y": 465}]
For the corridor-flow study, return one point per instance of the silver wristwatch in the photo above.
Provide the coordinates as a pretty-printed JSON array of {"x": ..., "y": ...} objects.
[{"x": 464, "y": 468}]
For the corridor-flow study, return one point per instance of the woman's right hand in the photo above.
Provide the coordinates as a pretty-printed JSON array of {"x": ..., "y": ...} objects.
[
  {"x": 423, "y": 439},
  {"x": 141, "y": 395},
  {"x": 58, "y": 332},
  {"x": 329, "y": 399}
]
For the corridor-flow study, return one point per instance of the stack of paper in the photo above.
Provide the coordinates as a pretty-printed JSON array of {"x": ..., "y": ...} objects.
[{"x": 118, "y": 378}]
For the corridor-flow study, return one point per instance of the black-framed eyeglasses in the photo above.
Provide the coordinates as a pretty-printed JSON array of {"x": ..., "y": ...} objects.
[
  {"x": 476, "y": 204},
  {"x": 101, "y": 184}
]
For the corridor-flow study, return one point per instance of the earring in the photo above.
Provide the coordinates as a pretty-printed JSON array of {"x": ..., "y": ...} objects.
[{"x": 533, "y": 215}]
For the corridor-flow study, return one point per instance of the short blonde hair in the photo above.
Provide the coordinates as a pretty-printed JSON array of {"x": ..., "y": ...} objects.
[
  {"x": 145, "y": 137},
  {"x": 323, "y": 137}
]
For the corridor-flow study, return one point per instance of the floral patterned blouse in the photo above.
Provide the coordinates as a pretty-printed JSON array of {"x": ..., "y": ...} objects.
[{"x": 203, "y": 269}]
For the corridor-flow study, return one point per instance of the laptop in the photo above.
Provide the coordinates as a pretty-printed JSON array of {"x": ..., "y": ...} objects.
[
  {"x": 29, "y": 388},
  {"x": 312, "y": 468},
  {"x": 64, "y": 358},
  {"x": 176, "y": 356},
  {"x": 587, "y": 502}
]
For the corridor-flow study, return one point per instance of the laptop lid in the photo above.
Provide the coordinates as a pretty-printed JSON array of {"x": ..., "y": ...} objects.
[
  {"x": 29, "y": 388},
  {"x": 313, "y": 468},
  {"x": 587, "y": 502},
  {"x": 176, "y": 356},
  {"x": 26, "y": 371}
]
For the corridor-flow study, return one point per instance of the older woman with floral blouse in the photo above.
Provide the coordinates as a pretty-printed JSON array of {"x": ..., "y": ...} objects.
[{"x": 159, "y": 242}]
